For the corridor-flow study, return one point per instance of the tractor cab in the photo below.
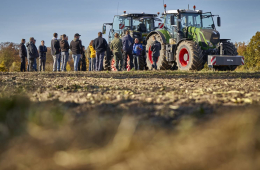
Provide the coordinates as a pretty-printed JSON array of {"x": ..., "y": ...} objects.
[
  {"x": 139, "y": 25},
  {"x": 192, "y": 24}
]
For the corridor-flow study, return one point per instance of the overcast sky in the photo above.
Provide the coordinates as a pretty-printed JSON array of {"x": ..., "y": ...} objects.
[{"x": 41, "y": 18}]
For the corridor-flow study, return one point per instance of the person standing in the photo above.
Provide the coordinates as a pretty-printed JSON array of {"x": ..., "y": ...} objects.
[
  {"x": 127, "y": 48},
  {"x": 64, "y": 46},
  {"x": 88, "y": 56},
  {"x": 100, "y": 46},
  {"x": 116, "y": 47},
  {"x": 76, "y": 48},
  {"x": 92, "y": 56},
  {"x": 59, "y": 58},
  {"x": 42, "y": 54},
  {"x": 137, "y": 52},
  {"x": 33, "y": 53},
  {"x": 23, "y": 55},
  {"x": 155, "y": 48},
  {"x": 35, "y": 59},
  {"x": 55, "y": 50},
  {"x": 82, "y": 62}
]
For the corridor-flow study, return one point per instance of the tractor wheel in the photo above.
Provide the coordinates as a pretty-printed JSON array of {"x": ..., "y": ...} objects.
[
  {"x": 162, "y": 64},
  {"x": 229, "y": 49},
  {"x": 107, "y": 60},
  {"x": 189, "y": 56},
  {"x": 142, "y": 63}
]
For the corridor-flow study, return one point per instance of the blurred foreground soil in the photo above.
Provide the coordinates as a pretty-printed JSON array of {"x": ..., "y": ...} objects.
[{"x": 129, "y": 121}]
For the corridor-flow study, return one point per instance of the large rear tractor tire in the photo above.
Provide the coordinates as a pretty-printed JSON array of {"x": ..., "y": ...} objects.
[
  {"x": 189, "y": 56},
  {"x": 162, "y": 64},
  {"x": 229, "y": 49}
]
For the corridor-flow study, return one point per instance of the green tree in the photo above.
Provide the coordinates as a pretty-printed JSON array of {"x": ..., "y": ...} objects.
[
  {"x": 9, "y": 54},
  {"x": 252, "y": 53}
]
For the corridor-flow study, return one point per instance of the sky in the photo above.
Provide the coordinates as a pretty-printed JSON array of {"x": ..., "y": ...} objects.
[{"x": 41, "y": 18}]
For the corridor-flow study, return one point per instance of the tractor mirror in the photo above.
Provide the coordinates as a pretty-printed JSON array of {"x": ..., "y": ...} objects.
[
  {"x": 219, "y": 21},
  {"x": 172, "y": 20},
  {"x": 104, "y": 29}
]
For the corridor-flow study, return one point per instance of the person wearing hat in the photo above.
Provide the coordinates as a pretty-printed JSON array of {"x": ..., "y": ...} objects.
[
  {"x": 23, "y": 55},
  {"x": 76, "y": 48},
  {"x": 100, "y": 46}
]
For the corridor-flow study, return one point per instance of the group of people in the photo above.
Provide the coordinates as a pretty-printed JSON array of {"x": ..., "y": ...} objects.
[{"x": 95, "y": 52}]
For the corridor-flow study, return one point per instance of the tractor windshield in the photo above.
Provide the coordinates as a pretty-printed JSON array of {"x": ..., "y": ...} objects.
[{"x": 197, "y": 20}]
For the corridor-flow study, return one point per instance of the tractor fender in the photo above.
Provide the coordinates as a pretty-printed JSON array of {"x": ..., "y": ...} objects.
[
  {"x": 157, "y": 32},
  {"x": 224, "y": 40}
]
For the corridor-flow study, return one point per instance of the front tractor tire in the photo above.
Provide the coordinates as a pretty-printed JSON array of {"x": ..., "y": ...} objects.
[
  {"x": 162, "y": 64},
  {"x": 189, "y": 56}
]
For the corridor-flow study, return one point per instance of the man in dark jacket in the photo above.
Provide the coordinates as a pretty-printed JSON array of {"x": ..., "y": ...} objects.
[
  {"x": 55, "y": 50},
  {"x": 155, "y": 48},
  {"x": 32, "y": 53},
  {"x": 127, "y": 48},
  {"x": 42, "y": 54},
  {"x": 64, "y": 47},
  {"x": 82, "y": 61},
  {"x": 76, "y": 48},
  {"x": 59, "y": 58},
  {"x": 35, "y": 61},
  {"x": 23, "y": 55},
  {"x": 100, "y": 46}
]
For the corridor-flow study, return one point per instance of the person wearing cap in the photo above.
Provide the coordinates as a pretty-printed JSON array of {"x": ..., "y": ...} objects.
[
  {"x": 35, "y": 59},
  {"x": 116, "y": 47},
  {"x": 64, "y": 46},
  {"x": 23, "y": 55},
  {"x": 100, "y": 46},
  {"x": 76, "y": 48},
  {"x": 42, "y": 54},
  {"x": 55, "y": 50}
]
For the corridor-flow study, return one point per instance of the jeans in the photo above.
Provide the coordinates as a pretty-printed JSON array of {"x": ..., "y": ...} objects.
[
  {"x": 23, "y": 64},
  {"x": 76, "y": 58},
  {"x": 31, "y": 62},
  {"x": 58, "y": 62},
  {"x": 155, "y": 59},
  {"x": 125, "y": 54},
  {"x": 89, "y": 64},
  {"x": 35, "y": 64},
  {"x": 93, "y": 64},
  {"x": 55, "y": 58},
  {"x": 137, "y": 62},
  {"x": 64, "y": 59},
  {"x": 99, "y": 61},
  {"x": 42, "y": 64}
]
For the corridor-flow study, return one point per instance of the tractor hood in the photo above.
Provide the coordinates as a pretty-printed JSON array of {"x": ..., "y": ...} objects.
[{"x": 211, "y": 35}]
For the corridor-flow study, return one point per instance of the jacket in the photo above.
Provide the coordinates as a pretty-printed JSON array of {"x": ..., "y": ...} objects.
[
  {"x": 55, "y": 46},
  {"x": 22, "y": 51},
  {"x": 136, "y": 50},
  {"x": 128, "y": 43},
  {"x": 42, "y": 52},
  {"x": 116, "y": 45},
  {"x": 92, "y": 52},
  {"x": 64, "y": 46},
  {"x": 155, "y": 48},
  {"x": 32, "y": 50},
  {"x": 83, "y": 56},
  {"x": 76, "y": 46},
  {"x": 100, "y": 44}
]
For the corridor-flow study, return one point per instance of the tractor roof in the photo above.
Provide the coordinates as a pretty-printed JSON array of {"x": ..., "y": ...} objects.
[
  {"x": 182, "y": 11},
  {"x": 140, "y": 15}
]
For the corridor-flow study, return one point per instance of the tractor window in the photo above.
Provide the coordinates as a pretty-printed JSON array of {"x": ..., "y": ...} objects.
[
  {"x": 207, "y": 21},
  {"x": 121, "y": 20}
]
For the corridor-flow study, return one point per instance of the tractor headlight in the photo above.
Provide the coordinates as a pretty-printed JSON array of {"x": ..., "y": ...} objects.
[{"x": 210, "y": 44}]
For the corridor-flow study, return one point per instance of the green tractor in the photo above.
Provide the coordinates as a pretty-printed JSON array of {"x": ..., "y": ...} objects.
[
  {"x": 139, "y": 25},
  {"x": 189, "y": 39}
]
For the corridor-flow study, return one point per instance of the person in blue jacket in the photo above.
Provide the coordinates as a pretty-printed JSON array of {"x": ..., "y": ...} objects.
[
  {"x": 137, "y": 52},
  {"x": 155, "y": 48}
]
